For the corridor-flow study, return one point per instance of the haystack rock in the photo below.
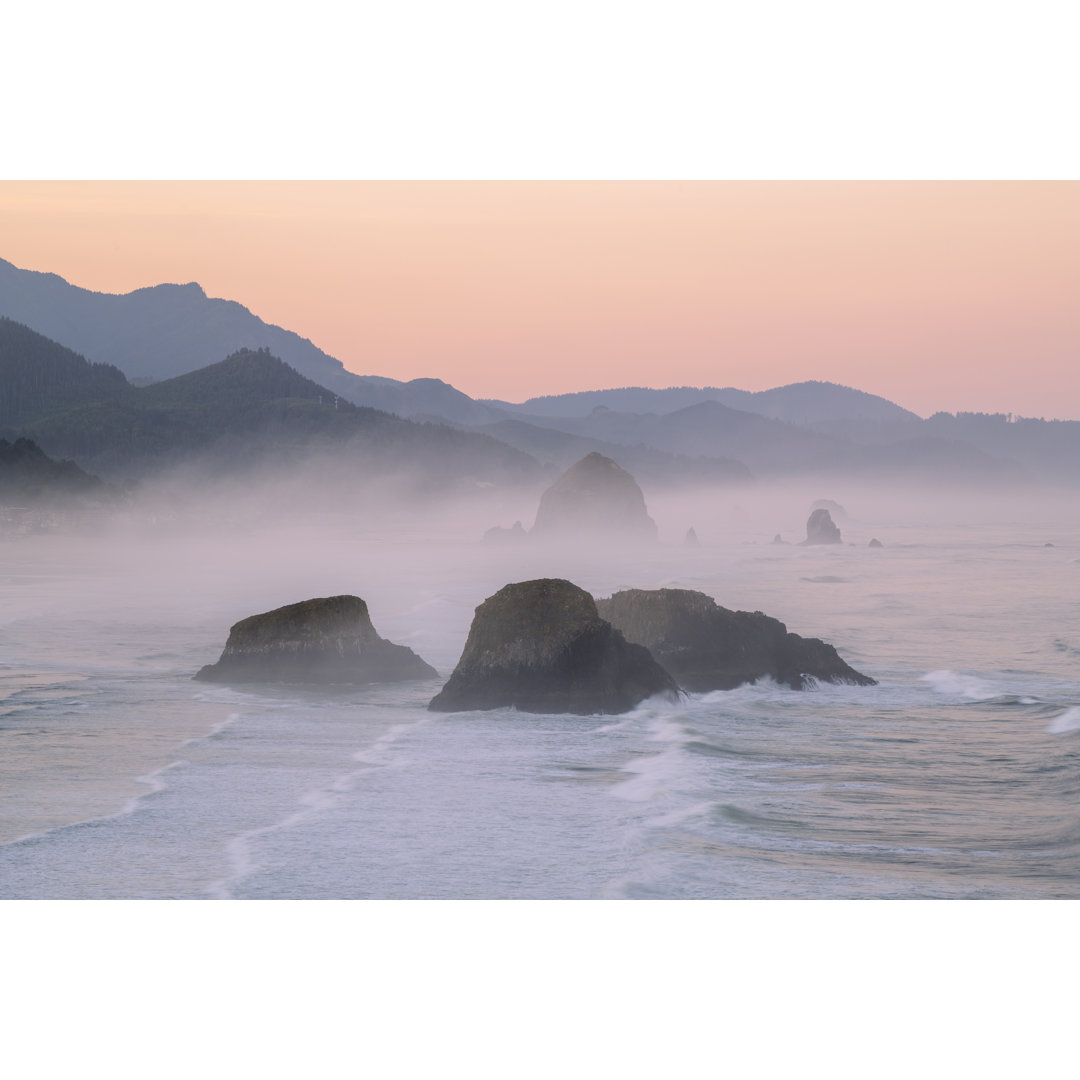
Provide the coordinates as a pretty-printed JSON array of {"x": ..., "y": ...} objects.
[
  {"x": 707, "y": 647},
  {"x": 594, "y": 497},
  {"x": 329, "y": 640},
  {"x": 541, "y": 647},
  {"x": 820, "y": 529},
  {"x": 691, "y": 538}
]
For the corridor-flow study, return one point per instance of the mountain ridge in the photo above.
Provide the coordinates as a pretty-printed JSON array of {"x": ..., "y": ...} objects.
[
  {"x": 160, "y": 331},
  {"x": 247, "y": 408},
  {"x": 793, "y": 401}
]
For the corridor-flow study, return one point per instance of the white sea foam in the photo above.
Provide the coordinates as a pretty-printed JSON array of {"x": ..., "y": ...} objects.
[
  {"x": 239, "y": 850},
  {"x": 957, "y": 684},
  {"x": 655, "y": 775},
  {"x": 155, "y": 781},
  {"x": 217, "y": 729},
  {"x": 1069, "y": 720}
]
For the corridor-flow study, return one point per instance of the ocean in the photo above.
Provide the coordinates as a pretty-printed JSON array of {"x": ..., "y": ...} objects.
[{"x": 956, "y": 777}]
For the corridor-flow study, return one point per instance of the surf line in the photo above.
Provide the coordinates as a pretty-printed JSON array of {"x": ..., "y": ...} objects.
[
  {"x": 153, "y": 779},
  {"x": 238, "y": 849}
]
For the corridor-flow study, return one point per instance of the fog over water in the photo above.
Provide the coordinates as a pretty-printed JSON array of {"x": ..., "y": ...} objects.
[{"x": 957, "y": 776}]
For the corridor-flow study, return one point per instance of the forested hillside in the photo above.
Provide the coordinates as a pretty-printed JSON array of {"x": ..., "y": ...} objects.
[
  {"x": 38, "y": 377},
  {"x": 247, "y": 412},
  {"x": 28, "y": 475}
]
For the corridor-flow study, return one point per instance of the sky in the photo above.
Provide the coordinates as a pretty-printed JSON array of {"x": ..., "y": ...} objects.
[{"x": 939, "y": 295}]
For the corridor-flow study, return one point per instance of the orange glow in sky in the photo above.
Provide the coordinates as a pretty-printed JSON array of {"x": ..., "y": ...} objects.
[{"x": 936, "y": 295}]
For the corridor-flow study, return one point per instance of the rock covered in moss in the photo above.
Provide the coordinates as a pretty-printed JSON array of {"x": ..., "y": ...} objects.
[
  {"x": 541, "y": 647},
  {"x": 328, "y": 640},
  {"x": 594, "y": 496},
  {"x": 707, "y": 647}
]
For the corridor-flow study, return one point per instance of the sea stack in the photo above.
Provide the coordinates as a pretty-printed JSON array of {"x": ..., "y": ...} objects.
[
  {"x": 540, "y": 647},
  {"x": 498, "y": 535},
  {"x": 328, "y": 640},
  {"x": 707, "y": 647},
  {"x": 820, "y": 529},
  {"x": 594, "y": 497}
]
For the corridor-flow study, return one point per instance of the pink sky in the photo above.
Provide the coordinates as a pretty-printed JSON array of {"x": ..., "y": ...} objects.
[{"x": 936, "y": 295}]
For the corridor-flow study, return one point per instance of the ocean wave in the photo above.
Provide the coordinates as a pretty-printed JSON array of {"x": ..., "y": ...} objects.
[
  {"x": 958, "y": 684},
  {"x": 656, "y": 775},
  {"x": 154, "y": 780},
  {"x": 216, "y": 730},
  {"x": 1069, "y": 720}
]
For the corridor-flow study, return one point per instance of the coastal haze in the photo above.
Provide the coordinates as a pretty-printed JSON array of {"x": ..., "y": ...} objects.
[{"x": 173, "y": 463}]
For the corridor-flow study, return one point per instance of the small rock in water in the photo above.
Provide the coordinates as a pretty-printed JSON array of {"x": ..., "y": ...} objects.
[
  {"x": 691, "y": 538},
  {"x": 875, "y": 543}
]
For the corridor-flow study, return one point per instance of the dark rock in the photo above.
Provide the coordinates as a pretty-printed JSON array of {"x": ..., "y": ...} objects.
[
  {"x": 875, "y": 543},
  {"x": 691, "y": 538},
  {"x": 707, "y": 647},
  {"x": 594, "y": 496},
  {"x": 820, "y": 529},
  {"x": 778, "y": 539},
  {"x": 499, "y": 535},
  {"x": 329, "y": 641},
  {"x": 541, "y": 647}
]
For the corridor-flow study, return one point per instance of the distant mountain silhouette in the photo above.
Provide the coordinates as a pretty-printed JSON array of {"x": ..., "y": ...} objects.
[
  {"x": 38, "y": 376},
  {"x": 70, "y": 394},
  {"x": 773, "y": 448},
  {"x": 168, "y": 330},
  {"x": 249, "y": 408},
  {"x": 29, "y": 476},
  {"x": 711, "y": 430},
  {"x": 1047, "y": 448},
  {"x": 646, "y": 463},
  {"x": 801, "y": 403}
]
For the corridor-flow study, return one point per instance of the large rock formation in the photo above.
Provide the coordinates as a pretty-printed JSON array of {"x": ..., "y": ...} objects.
[
  {"x": 707, "y": 647},
  {"x": 597, "y": 497},
  {"x": 820, "y": 529},
  {"x": 541, "y": 647},
  {"x": 329, "y": 640}
]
